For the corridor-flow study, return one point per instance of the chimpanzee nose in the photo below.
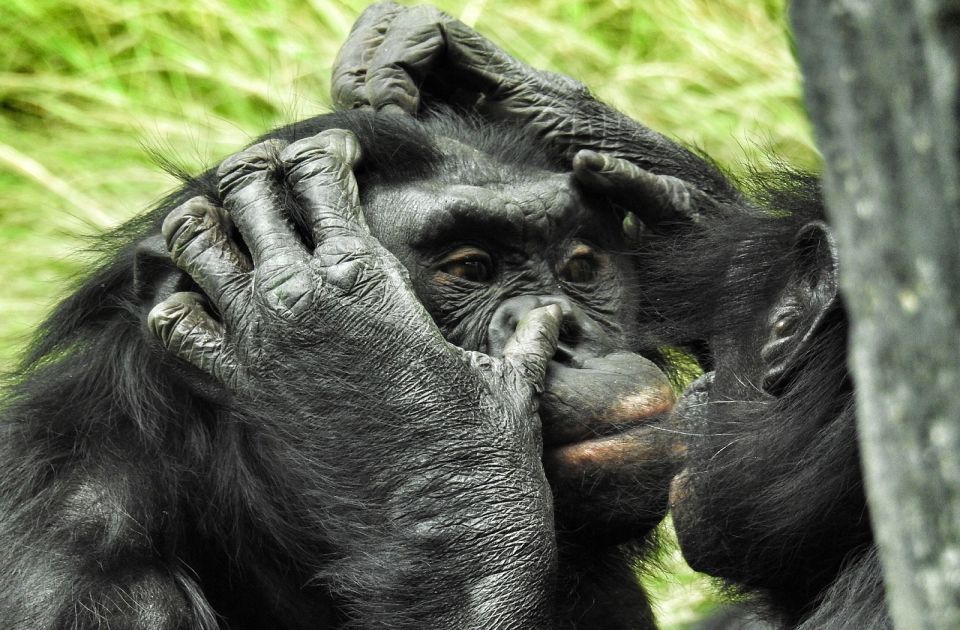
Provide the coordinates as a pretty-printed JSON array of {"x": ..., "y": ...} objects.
[{"x": 580, "y": 336}]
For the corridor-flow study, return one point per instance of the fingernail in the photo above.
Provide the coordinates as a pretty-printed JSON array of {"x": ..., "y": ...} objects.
[{"x": 589, "y": 159}]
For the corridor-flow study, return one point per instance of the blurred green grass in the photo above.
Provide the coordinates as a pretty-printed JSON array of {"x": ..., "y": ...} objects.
[{"x": 87, "y": 87}]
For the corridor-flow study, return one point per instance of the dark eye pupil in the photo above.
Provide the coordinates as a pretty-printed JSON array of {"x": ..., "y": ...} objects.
[{"x": 578, "y": 270}]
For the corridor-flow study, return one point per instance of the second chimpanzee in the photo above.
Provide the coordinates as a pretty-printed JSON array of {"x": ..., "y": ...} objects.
[{"x": 770, "y": 497}]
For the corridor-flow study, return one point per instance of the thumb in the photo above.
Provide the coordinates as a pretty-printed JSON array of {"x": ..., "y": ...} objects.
[{"x": 534, "y": 343}]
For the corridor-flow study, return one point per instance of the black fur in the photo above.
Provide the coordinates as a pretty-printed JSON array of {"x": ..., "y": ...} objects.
[{"x": 772, "y": 497}]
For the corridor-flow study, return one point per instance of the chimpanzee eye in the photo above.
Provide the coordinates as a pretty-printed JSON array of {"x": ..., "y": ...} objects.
[
  {"x": 785, "y": 321},
  {"x": 581, "y": 267},
  {"x": 785, "y": 325},
  {"x": 469, "y": 263}
]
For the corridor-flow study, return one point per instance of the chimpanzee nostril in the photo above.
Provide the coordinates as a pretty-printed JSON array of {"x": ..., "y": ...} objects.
[
  {"x": 580, "y": 336},
  {"x": 570, "y": 336},
  {"x": 569, "y": 329},
  {"x": 567, "y": 356}
]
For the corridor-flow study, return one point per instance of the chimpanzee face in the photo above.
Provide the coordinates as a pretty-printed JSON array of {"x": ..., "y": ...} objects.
[{"x": 479, "y": 234}]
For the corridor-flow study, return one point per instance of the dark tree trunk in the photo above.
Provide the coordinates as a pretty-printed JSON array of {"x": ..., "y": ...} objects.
[{"x": 883, "y": 89}]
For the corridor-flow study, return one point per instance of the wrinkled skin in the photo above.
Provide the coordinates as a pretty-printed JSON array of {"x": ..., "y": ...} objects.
[
  {"x": 482, "y": 256},
  {"x": 397, "y": 58},
  {"x": 418, "y": 501},
  {"x": 483, "y": 245},
  {"x": 596, "y": 393},
  {"x": 296, "y": 466},
  {"x": 302, "y": 447}
]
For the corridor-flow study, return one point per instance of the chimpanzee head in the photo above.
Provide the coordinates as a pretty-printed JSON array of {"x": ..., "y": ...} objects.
[{"x": 770, "y": 496}]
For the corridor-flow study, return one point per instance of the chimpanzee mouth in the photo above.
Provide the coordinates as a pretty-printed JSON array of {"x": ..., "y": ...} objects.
[
  {"x": 633, "y": 417},
  {"x": 616, "y": 444},
  {"x": 604, "y": 409}
]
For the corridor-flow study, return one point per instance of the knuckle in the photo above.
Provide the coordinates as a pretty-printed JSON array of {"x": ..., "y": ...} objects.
[
  {"x": 294, "y": 297},
  {"x": 392, "y": 80},
  {"x": 328, "y": 151},
  {"x": 348, "y": 244},
  {"x": 258, "y": 157},
  {"x": 345, "y": 94},
  {"x": 349, "y": 146},
  {"x": 187, "y": 221},
  {"x": 525, "y": 380},
  {"x": 359, "y": 281},
  {"x": 427, "y": 13},
  {"x": 347, "y": 88},
  {"x": 306, "y": 148},
  {"x": 166, "y": 318},
  {"x": 611, "y": 165},
  {"x": 381, "y": 9},
  {"x": 481, "y": 361}
]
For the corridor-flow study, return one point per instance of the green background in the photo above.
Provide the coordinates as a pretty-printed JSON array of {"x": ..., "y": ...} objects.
[{"x": 92, "y": 91}]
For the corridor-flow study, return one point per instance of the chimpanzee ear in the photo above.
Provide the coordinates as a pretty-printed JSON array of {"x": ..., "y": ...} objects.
[
  {"x": 155, "y": 277},
  {"x": 798, "y": 313}
]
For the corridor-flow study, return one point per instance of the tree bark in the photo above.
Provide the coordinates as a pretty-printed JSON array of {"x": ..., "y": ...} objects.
[{"x": 883, "y": 90}]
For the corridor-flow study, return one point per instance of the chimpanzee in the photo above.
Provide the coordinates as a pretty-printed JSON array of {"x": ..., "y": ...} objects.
[
  {"x": 770, "y": 496},
  {"x": 321, "y": 444}
]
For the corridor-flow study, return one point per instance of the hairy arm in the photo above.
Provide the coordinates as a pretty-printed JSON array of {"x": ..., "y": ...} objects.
[{"x": 401, "y": 57}]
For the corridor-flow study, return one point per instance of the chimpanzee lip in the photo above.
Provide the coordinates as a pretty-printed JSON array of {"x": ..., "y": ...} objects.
[
  {"x": 611, "y": 429},
  {"x": 619, "y": 446}
]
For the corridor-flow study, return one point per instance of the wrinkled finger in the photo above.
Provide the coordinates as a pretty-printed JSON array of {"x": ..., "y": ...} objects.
[
  {"x": 534, "y": 343},
  {"x": 348, "y": 84},
  {"x": 319, "y": 169},
  {"x": 187, "y": 331},
  {"x": 654, "y": 198},
  {"x": 198, "y": 237},
  {"x": 246, "y": 187},
  {"x": 491, "y": 69},
  {"x": 410, "y": 49}
]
